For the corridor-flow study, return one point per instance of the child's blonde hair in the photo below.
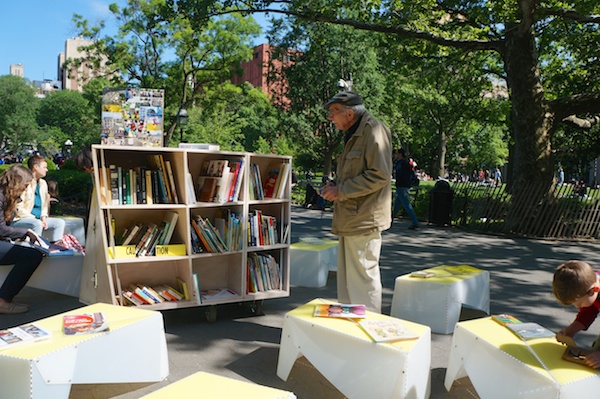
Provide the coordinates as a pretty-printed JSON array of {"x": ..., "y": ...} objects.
[{"x": 572, "y": 280}]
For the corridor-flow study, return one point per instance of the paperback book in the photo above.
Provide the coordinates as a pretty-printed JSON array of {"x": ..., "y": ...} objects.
[
  {"x": 530, "y": 330},
  {"x": 387, "y": 330},
  {"x": 85, "y": 323},
  {"x": 505, "y": 319},
  {"x": 21, "y": 335},
  {"x": 338, "y": 310}
]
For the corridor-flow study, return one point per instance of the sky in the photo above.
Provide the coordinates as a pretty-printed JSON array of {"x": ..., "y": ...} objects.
[{"x": 33, "y": 32}]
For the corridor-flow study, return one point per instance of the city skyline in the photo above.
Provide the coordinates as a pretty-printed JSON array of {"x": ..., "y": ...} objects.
[{"x": 34, "y": 38}]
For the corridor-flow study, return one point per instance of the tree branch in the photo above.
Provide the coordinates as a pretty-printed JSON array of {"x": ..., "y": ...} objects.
[
  {"x": 571, "y": 15},
  {"x": 582, "y": 123},
  {"x": 377, "y": 27},
  {"x": 584, "y": 103}
]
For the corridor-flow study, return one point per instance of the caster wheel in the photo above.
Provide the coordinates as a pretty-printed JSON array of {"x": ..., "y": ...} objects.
[
  {"x": 256, "y": 307},
  {"x": 211, "y": 314}
]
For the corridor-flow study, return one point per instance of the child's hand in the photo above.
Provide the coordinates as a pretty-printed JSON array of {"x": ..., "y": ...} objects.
[
  {"x": 593, "y": 360},
  {"x": 564, "y": 339}
]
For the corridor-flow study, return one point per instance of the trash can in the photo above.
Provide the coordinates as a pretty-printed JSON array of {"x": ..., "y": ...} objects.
[{"x": 440, "y": 203}]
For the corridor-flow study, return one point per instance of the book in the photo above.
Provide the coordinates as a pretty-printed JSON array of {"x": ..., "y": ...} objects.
[
  {"x": 191, "y": 192},
  {"x": 285, "y": 172},
  {"x": 422, "y": 274},
  {"x": 505, "y": 319},
  {"x": 528, "y": 331},
  {"x": 272, "y": 180},
  {"x": 207, "y": 189},
  {"x": 171, "y": 219},
  {"x": 85, "y": 323},
  {"x": 114, "y": 184},
  {"x": 339, "y": 310},
  {"x": 387, "y": 330},
  {"x": 171, "y": 181},
  {"x": 24, "y": 334},
  {"x": 576, "y": 355},
  {"x": 222, "y": 293},
  {"x": 183, "y": 288}
]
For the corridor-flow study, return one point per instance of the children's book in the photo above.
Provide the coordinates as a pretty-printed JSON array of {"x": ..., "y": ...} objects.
[
  {"x": 387, "y": 330},
  {"x": 505, "y": 319},
  {"x": 576, "y": 355},
  {"x": 530, "y": 330},
  {"x": 338, "y": 310},
  {"x": 84, "y": 323},
  {"x": 25, "y": 334}
]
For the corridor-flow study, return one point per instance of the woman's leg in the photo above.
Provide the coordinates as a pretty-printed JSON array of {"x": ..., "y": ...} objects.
[{"x": 25, "y": 261}]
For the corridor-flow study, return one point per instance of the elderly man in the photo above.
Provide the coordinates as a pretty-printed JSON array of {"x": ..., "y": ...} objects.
[{"x": 362, "y": 196}]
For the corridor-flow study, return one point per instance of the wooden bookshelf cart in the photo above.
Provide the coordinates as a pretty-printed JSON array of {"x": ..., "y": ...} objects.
[{"x": 110, "y": 269}]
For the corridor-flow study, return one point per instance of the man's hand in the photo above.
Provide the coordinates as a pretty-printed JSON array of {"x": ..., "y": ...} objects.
[
  {"x": 44, "y": 223},
  {"x": 329, "y": 191}
]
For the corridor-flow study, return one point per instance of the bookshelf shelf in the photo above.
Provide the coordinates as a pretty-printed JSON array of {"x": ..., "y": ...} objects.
[{"x": 230, "y": 223}]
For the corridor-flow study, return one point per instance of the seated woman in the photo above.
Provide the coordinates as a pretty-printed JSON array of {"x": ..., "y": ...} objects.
[
  {"x": 33, "y": 211},
  {"x": 13, "y": 183}
]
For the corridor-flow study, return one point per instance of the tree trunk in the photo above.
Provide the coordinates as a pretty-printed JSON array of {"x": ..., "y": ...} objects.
[
  {"x": 531, "y": 124},
  {"x": 531, "y": 119}
]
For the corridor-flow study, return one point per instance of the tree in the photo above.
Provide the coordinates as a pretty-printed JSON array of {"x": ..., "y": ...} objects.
[
  {"x": 18, "y": 106},
  {"x": 71, "y": 113},
  {"x": 156, "y": 47},
  {"x": 512, "y": 31}
]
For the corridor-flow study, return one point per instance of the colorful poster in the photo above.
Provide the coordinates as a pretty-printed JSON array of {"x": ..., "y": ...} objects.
[{"x": 133, "y": 117}]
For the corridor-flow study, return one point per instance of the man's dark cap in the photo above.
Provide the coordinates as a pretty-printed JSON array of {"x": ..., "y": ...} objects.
[{"x": 348, "y": 98}]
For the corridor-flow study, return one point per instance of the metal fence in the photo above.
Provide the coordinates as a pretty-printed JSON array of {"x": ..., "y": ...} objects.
[{"x": 565, "y": 211}]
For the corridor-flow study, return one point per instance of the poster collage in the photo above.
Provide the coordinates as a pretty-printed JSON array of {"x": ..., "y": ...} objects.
[{"x": 133, "y": 117}]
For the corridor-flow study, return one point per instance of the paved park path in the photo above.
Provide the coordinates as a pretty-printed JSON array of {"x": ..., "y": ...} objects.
[{"x": 245, "y": 346}]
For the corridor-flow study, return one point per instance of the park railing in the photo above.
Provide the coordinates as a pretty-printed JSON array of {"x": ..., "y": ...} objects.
[{"x": 565, "y": 211}]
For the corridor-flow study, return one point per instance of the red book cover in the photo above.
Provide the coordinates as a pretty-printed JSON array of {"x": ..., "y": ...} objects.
[{"x": 85, "y": 323}]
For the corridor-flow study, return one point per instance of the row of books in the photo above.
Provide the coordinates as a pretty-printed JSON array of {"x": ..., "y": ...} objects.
[
  {"x": 153, "y": 184},
  {"x": 262, "y": 229},
  {"x": 206, "y": 237},
  {"x": 141, "y": 294},
  {"x": 146, "y": 236},
  {"x": 263, "y": 273},
  {"x": 274, "y": 183},
  {"x": 220, "y": 180}
]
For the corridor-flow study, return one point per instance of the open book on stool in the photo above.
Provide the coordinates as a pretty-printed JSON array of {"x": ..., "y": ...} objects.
[{"x": 45, "y": 247}]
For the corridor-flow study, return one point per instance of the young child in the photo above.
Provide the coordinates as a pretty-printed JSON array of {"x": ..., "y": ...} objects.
[{"x": 575, "y": 283}]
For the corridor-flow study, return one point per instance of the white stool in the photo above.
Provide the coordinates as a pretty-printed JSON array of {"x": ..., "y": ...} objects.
[
  {"x": 437, "y": 301},
  {"x": 345, "y": 355},
  {"x": 310, "y": 263},
  {"x": 47, "y": 368}
]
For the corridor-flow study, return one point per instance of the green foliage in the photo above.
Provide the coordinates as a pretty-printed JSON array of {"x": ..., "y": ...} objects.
[
  {"x": 73, "y": 185},
  {"x": 70, "y": 116},
  {"x": 18, "y": 107}
]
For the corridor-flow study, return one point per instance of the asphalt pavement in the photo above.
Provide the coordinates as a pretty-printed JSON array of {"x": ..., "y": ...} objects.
[{"x": 244, "y": 345}]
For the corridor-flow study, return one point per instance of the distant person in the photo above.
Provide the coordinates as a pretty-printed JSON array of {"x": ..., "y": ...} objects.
[
  {"x": 576, "y": 283},
  {"x": 33, "y": 212},
  {"x": 13, "y": 182},
  {"x": 497, "y": 177},
  {"x": 363, "y": 199},
  {"x": 561, "y": 176},
  {"x": 403, "y": 173}
]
